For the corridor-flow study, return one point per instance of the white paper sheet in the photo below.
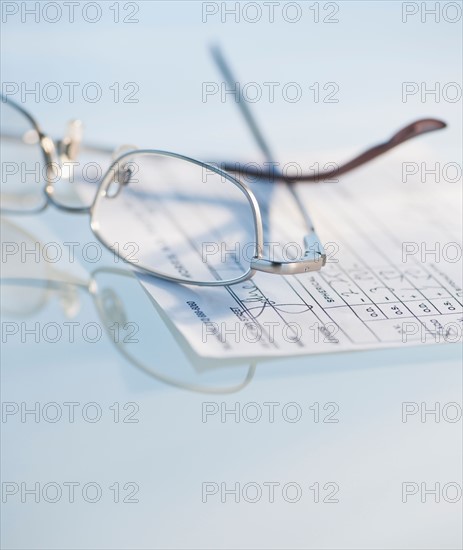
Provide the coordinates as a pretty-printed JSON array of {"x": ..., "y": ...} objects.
[{"x": 371, "y": 294}]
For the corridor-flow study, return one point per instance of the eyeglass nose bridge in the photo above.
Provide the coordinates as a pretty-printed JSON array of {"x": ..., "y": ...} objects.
[{"x": 313, "y": 260}]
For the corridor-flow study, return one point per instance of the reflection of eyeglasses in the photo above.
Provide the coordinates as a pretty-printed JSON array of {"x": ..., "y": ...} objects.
[
  {"x": 168, "y": 215},
  {"x": 119, "y": 300}
]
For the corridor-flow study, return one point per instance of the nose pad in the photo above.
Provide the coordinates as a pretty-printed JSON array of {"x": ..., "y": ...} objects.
[
  {"x": 122, "y": 176},
  {"x": 122, "y": 172},
  {"x": 69, "y": 146}
]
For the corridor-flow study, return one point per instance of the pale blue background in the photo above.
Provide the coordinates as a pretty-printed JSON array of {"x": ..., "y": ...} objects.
[{"x": 170, "y": 453}]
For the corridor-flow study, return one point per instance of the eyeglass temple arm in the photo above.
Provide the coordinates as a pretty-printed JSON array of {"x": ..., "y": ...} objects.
[
  {"x": 314, "y": 257},
  {"x": 410, "y": 131}
]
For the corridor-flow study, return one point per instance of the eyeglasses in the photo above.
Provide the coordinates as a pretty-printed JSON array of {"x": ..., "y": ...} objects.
[{"x": 166, "y": 214}]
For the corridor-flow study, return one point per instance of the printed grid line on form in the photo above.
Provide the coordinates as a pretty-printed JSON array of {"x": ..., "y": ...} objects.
[{"x": 335, "y": 198}]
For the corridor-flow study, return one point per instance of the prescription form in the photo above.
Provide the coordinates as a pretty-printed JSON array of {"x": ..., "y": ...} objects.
[{"x": 393, "y": 276}]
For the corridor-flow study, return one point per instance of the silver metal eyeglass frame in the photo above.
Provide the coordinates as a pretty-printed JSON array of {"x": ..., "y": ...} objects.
[
  {"x": 313, "y": 259},
  {"x": 258, "y": 262}
]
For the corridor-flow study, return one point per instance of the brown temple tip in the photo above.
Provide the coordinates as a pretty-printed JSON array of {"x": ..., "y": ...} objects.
[{"x": 416, "y": 128}]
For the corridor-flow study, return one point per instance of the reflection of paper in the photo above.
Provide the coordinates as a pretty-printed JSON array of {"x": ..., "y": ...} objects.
[{"x": 369, "y": 295}]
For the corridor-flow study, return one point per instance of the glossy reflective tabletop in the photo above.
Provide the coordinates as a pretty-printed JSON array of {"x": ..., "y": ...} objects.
[{"x": 114, "y": 434}]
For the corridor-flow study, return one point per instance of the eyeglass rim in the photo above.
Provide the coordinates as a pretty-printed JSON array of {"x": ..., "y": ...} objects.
[
  {"x": 48, "y": 149},
  {"x": 252, "y": 200},
  {"x": 47, "y": 146},
  {"x": 49, "y": 152}
]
